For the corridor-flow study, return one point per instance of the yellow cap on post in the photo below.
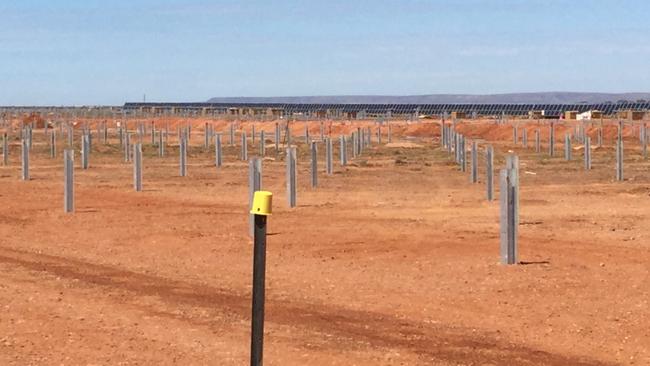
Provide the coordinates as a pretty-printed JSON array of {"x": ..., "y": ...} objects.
[{"x": 262, "y": 203}]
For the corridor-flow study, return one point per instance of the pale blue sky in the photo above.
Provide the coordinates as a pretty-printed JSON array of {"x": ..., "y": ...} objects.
[{"x": 55, "y": 52}]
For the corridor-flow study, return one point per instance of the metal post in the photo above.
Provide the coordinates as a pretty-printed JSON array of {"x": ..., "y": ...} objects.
[
  {"x": 314, "y": 165},
  {"x": 231, "y": 141},
  {"x": 105, "y": 133},
  {"x": 538, "y": 145},
  {"x": 262, "y": 144},
  {"x": 139, "y": 132},
  {"x": 509, "y": 216},
  {"x": 463, "y": 154},
  {"x": 619, "y": 153},
  {"x": 218, "y": 152},
  {"x": 5, "y": 149},
  {"x": 244, "y": 146},
  {"x": 512, "y": 163},
  {"x": 644, "y": 141},
  {"x": 291, "y": 176},
  {"x": 53, "y": 144},
  {"x": 600, "y": 137},
  {"x": 254, "y": 184},
  {"x": 137, "y": 167},
  {"x": 277, "y": 137},
  {"x": 259, "y": 274},
  {"x": 127, "y": 154},
  {"x": 306, "y": 132},
  {"x": 253, "y": 136},
  {"x": 567, "y": 146},
  {"x": 489, "y": 173},
  {"x": 25, "y": 159},
  {"x": 359, "y": 141},
  {"x": 183, "y": 154},
  {"x": 587, "y": 153},
  {"x": 343, "y": 151},
  {"x": 85, "y": 151},
  {"x": 161, "y": 144},
  {"x": 206, "y": 136},
  {"x": 68, "y": 183},
  {"x": 328, "y": 156},
  {"x": 120, "y": 135},
  {"x": 524, "y": 138},
  {"x": 474, "y": 162},
  {"x": 514, "y": 134},
  {"x": 153, "y": 134},
  {"x": 551, "y": 140},
  {"x": 443, "y": 135},
  {"x": 456, "y": 145}
]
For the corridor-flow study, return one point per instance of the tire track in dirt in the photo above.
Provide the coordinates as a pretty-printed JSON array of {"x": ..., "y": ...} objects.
[{"x": 351, "y": 329}]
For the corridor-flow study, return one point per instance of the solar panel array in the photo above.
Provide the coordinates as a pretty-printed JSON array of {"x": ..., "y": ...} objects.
[{"x": 400, "y": 109}]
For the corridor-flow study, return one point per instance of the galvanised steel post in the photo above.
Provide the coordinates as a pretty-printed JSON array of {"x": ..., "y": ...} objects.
[
  {"x": 68, "y": 183},
  {"x": 53, "y": 144},
  {"x": 25, "y": 159},
  {"x": 551, "y": 140},
  {"x": 5, "y": 149},
  {"x": 644, "y": 141},
  {"x": 314, "y": 165},
  {"x": 218, "y": 151},
  {"x": 489, "y": 172},
  {"x": 343, "y": 153},
  {"x": 244, "y": 146},
  {"x": 587, "y": 153},
  {"x": 127, "y": 142},
  {"x": 262, "y": 144},
  {"x": 508, "y": 214},
  {"x": 183, "y": 155},
  {"x": 85, "y": 151},
  {"x": 619, "y": 152},
  {"x": 291, "y": 176},
  {"x": 474, "y": 163},
  {"x": 161, "y": 144},
  {"x": 328, "y": 156},
  {"x": 137, "y": 167}
]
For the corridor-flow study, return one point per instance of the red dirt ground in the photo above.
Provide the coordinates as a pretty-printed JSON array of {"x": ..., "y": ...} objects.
[{"x": 393, "y": 260}]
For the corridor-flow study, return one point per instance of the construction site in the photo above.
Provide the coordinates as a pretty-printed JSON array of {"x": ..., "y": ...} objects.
[{"x": 392, "y": 256}]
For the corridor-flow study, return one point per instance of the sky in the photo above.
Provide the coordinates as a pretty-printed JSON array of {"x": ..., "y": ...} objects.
[{"x": 92, "y": 52}]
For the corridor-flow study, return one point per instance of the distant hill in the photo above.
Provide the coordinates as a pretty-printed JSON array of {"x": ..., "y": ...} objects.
[{"x": 527, "y": 98}]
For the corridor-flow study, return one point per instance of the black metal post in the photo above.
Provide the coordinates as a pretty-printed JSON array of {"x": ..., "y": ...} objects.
[{"x": 259, "y": 272}]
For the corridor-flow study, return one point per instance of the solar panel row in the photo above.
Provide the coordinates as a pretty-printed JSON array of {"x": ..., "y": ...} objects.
[{"x": 429, "y": 109}]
